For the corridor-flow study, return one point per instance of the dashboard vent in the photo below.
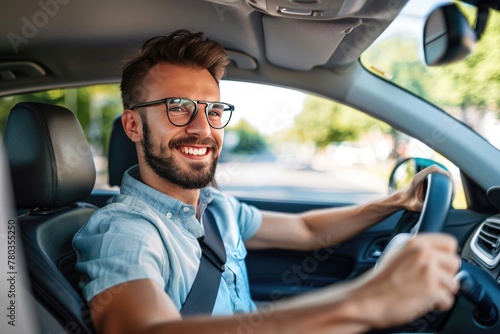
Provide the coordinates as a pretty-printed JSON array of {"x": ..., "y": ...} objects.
[
  {"x": 488, "y": 238},
  {"x": 486, "y": 241}
]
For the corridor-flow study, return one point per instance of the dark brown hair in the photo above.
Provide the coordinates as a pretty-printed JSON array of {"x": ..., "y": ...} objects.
[{"x": 181, "y": 47}]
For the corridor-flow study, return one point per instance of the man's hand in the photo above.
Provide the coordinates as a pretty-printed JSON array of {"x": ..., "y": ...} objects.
[
  {"x": 412, "y": 196},
  {"x": 411, "y": 282}
]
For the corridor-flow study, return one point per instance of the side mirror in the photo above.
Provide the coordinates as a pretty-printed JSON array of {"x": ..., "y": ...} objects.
[
  {"x": 448, "y": 37},
  {"x": 406, "y": 169}
]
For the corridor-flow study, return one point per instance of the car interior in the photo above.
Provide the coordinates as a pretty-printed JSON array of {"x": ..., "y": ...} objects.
[
  {"x": 48, "y": 199},
  {"x": 308, "y": 45}
]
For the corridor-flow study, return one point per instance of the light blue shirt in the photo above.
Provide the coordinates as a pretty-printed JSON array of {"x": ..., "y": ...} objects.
[{"x": 144, "y": 233}]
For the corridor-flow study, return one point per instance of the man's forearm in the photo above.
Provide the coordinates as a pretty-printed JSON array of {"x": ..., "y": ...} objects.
[
  {"x": 320, "y": 228},
  {"x": 336, "y": 314},
  {"x": 407, "y": 284},
  {"x": 339, "y": 224}
]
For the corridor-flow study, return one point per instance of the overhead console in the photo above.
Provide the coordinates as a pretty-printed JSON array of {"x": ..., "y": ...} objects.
[
  {"x": 303, "y": 34},
  {"x": 311, "y": 9}
]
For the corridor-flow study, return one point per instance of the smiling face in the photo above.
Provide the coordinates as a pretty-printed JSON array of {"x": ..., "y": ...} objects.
[{"x": 185, "y": 156}]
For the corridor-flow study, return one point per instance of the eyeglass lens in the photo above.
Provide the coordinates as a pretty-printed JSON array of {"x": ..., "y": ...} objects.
[{"x": 181, "y": 111}]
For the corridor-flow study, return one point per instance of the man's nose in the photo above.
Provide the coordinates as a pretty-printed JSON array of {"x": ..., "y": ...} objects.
[{"x": 199, "y": 126}]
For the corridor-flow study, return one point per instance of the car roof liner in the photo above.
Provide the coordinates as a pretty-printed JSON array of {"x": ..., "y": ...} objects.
[{"x": 50, "y": 37}]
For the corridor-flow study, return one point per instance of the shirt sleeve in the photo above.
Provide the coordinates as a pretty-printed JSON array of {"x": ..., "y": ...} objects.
[
  {"x": 249, "y": 218},
  {"x": 116, "y": 246}
]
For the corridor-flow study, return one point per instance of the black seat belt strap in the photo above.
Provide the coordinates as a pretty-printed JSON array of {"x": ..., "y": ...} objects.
[{"x": 201, "y": 298}]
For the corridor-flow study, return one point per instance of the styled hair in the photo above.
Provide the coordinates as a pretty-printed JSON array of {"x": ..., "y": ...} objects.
[{"x": 181, "y": 47}]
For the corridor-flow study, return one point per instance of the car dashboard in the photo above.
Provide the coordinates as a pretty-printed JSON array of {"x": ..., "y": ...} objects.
[{"x": 483, "y": 247}]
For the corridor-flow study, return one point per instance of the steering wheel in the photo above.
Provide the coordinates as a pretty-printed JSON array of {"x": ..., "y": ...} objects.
[
  {"x": 437, "y": 202},
  {"x": 438, "y": 194}
]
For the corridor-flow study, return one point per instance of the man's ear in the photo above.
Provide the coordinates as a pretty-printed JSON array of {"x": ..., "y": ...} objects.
[{"x": 132, "y": 125}]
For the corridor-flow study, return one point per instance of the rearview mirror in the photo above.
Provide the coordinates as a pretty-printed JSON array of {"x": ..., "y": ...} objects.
[{"x": 448, "y": 37}]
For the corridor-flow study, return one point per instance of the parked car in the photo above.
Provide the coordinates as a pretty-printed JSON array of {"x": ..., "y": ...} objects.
[{"x": 335, "y": 71}]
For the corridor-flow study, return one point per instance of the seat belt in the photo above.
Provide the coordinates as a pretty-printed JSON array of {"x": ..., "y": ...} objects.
[{"x": 201, "y": 298}]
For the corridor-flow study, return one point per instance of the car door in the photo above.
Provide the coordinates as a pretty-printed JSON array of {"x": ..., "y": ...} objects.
[
  {"x": 276, "y": 162},
  {"x": 276, "y": 274}
]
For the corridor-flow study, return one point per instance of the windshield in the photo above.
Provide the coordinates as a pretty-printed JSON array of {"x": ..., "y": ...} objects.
[{"x": 468, "y": 90}]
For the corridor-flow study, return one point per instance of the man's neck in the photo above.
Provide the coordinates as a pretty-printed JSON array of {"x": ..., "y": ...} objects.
[{"x": 188, "y": 196}]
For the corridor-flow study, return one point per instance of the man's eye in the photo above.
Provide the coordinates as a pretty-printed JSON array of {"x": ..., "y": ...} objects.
[
  {"x": 215, "y": 113},
  {"x": 177, "y": 109}
]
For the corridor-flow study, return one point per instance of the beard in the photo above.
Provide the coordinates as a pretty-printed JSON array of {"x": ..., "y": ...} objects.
[{"x": 198, "y": 174}]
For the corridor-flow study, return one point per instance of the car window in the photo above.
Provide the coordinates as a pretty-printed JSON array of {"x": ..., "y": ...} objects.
[
  {"x": 467, "y": 90},
  {"x": 95, "y": 106},
  {"x": 283, "y": 143},
  {"x": 280, "y": 143}
]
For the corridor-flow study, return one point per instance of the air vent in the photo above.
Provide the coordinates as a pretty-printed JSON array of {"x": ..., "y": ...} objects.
[
  {"x": 488, "y": 239},
  {"x": 486, "y": 242}
]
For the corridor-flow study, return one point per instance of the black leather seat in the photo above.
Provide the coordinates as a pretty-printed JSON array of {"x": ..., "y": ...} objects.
[
  {"x": 52, "y": 169},
  {"x": 121, "y": 154}
]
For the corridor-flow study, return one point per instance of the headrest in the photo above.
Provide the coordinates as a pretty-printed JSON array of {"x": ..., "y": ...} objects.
[
  {"x": 50, "y": 160},
  {"x": 122, "y": 153}
]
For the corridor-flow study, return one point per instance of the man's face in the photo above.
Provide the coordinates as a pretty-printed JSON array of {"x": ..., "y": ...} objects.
[{"x": 186, "y": 156}]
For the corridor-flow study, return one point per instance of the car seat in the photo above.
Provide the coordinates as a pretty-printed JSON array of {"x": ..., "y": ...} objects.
[
  {"x": 52, "y": 170},
  {"x": 122, "y": 153}
]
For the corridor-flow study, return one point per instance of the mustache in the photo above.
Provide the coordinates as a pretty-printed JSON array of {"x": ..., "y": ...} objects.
[{"x": 192, "y": 140}]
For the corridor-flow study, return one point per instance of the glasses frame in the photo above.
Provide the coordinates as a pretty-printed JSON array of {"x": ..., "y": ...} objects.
[{"x": 167, "y": 100}]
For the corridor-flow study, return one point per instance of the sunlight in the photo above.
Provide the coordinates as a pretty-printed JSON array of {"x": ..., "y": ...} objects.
[{"x": 277, "y": 106}]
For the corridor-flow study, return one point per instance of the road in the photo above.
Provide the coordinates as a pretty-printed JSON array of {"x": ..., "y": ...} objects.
[{"x": 332, "y": 184}]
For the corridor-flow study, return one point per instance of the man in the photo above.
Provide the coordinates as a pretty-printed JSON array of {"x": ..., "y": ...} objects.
[{"x": 139, "y": 255}]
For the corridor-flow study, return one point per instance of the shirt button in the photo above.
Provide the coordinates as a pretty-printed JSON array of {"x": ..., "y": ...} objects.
[
  {"x": 186, "y": 209},
  {"x": 169, "y": 215}
]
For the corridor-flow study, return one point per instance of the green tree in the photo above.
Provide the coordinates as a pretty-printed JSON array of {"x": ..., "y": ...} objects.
[
  {"x": 249, "y": 140},
  {"x": 94, "y": 106},
  {"x": 470, "y": 84},
  {"x": 323, "y": 122},
  {"x": 475, "y": 81},
  {"x": 397, "y": 59}
]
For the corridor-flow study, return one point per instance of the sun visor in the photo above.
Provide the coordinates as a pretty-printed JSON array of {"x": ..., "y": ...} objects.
[{"x": 302, "y": 44}]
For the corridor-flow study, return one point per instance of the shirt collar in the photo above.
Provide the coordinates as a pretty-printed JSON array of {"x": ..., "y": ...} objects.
[{"x": 133, "y": 186}]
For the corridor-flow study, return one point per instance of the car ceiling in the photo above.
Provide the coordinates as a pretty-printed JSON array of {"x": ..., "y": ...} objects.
[{"x": 55, "y": 43}]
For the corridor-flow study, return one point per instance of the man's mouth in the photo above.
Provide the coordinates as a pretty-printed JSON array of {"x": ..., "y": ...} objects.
[{"x": 193, "y": 150}]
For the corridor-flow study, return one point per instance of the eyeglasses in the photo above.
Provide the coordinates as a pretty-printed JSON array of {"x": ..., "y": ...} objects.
[{"x": 182, "y": 111}]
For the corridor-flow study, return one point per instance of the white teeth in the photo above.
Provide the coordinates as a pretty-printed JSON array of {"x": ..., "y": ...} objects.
[{"x": 194, "y": 151}]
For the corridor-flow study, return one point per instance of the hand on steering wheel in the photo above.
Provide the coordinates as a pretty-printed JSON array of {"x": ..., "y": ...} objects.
[{"x": 438, "y": 195}]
